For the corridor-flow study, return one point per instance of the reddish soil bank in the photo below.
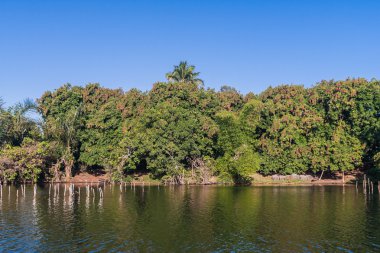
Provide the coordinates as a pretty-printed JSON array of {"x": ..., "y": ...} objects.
[
  {"x": 85, "y": 177},
  {"x": 349, "y": 178}
]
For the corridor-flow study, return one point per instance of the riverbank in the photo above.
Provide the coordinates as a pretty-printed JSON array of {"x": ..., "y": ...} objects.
[
  {"x": 138, "y": 179},
  {"x": 303, "y": 180},
  {"x": 257, "y": 179}
]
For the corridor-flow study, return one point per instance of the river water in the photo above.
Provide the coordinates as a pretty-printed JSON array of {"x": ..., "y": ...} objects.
[{"x": 80, "y": 218}]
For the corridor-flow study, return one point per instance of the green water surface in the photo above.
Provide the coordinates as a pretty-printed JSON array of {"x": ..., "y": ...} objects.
[{"x": 62, "y": 218}]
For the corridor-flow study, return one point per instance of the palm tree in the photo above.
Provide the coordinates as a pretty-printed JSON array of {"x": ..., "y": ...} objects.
[
  {"x": 2, "y": 122},
  {"x": 64, "y": 130},
  {"x": 1, "y": 104},
  {"x": 15, "y": 123},
  {"x": 21, "y": 122},
  {"x": 184, "y": 73}
]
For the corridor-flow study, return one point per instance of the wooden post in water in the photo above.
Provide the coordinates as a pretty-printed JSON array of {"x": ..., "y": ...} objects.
[
  {"x": 100, "y": 192},
  {"x": 369, "y": 185},
  {"x": 34, "y": 195},
  {"x": 100, "y": 196}
]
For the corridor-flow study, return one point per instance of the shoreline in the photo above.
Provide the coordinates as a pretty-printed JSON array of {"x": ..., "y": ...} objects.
[
  {"x": 139, "y": 183},
  {"x": 145, "y": 180}
]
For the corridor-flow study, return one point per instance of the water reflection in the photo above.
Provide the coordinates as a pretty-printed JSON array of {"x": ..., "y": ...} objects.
[{"x": 188, "y": 218}]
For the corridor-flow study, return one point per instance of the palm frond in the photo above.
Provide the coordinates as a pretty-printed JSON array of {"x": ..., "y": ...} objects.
[{"x": 184, "y": 73}]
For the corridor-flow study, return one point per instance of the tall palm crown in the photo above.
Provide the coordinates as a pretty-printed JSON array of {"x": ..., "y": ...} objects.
[
  {"x": 15, "y": 124},
  {"x": 184, "y": 73}
]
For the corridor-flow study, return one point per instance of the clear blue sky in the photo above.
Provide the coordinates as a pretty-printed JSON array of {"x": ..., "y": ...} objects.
[{"x": 246, "y": 44}]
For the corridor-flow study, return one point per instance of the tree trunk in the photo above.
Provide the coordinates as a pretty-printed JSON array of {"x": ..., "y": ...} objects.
[
  {"x": 321, "y": 175},
  {"x": 343, "y": 177},
  {"x": 68, "y": 169},
  {"x": 56, "y": 171}
]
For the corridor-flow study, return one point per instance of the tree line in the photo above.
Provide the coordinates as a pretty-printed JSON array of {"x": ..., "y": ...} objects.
[{"x": 181, "y": 132}]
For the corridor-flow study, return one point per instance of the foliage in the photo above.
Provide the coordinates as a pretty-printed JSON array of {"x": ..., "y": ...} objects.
[
  {"x": 376, "y": 159},
  {"x": 26, "y": 162},
  {"x": 241, "y": 165},
  {"x": 165, "y": 139},
  {"x": 290, "y": 121},
  {"x": 357, "y": 103},
  {"x": 62, "y": 111},
  {"x": 16, "y": 124},
  {"x": 230, "y": 99},
  {"x": 103, "y": 129},
  {"x": 181, "y": 132},
  {"x": 238, "y": 157},
  {"x": 184, "y": 73}
]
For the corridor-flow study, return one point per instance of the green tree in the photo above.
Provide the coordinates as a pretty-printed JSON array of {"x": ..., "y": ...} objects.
[
  {"x": 290, "y": 121},
  {"x": 64, "y": 131},
  {"x": 28, "y": 162},
  {"x": 102, "y": 132},
  {"x": 230, "y": 99},
  {"x": 167, "y": 139},
  {"x": 2, "y": 123},
  {"x": 346, "y": 150},
  {"x": 183, "y": 132},
  {"x": 16, "y": 124},
  {"x": 357, "y": 103},
  {"x": 238, "y": 156},
  {"x": 62, "y": 113}
]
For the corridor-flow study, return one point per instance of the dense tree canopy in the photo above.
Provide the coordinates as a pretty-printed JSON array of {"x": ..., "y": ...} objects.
[{"x": 181, "y": 132}]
